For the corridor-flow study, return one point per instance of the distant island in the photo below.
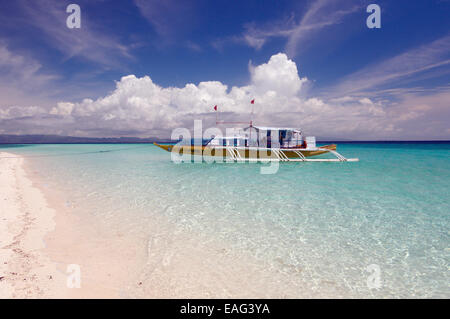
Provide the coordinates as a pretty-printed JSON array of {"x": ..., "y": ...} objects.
[{"x": 59, "y": 139}]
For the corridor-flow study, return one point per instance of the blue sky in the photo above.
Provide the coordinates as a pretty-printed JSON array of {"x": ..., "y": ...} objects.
[{"x": 45, "y": 65}]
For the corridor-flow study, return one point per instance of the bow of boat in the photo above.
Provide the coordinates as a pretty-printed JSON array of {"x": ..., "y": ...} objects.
[{"x": 167, "y": 148}]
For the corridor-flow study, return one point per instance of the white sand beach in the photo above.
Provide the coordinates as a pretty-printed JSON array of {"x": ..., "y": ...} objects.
[
  {"x": 25, "y": 219},
  {"x": 38, "y": 243}
]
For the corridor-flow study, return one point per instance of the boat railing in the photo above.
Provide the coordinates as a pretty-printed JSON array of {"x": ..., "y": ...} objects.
[
  {"x": 339, "y": 156},
  {"x": 231, "y": 151}
]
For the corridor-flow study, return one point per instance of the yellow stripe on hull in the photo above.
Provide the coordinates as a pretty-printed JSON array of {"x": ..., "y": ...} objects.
[{"x": 244, "y": 153}]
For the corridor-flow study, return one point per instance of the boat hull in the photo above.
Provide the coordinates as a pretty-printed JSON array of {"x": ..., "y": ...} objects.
[{"x": 243, "y": 152}]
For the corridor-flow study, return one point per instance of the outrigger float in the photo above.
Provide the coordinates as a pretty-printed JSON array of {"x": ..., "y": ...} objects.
[{"x": 261, "y": 146}]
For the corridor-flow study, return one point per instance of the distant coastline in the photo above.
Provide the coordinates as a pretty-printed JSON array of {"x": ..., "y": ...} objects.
[{"x": 59, "y": 139}]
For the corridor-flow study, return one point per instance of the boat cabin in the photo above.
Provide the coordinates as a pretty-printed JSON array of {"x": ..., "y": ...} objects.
[
  {"x": 275, "y": 136},
  {"x": 237, "y": 141},
  {"x": 270, "y": 137}
]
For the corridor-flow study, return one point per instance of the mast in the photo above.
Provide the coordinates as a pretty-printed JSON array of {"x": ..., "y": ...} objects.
[{"x": 252, "y": 102}]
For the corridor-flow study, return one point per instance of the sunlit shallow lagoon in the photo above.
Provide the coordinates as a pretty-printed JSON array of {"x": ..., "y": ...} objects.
[{"x": 310, "y": 230}]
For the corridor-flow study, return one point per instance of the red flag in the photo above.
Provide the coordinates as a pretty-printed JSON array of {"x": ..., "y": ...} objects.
[
  {"x": 253, "y": 101},
  {"x": 215, "y": 107}
]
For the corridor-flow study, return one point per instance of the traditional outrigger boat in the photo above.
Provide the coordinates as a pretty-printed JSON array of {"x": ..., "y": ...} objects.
[{"x": 264, "y": 144}]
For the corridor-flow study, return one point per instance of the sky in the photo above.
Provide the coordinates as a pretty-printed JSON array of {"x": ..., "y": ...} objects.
[{"x": 145, "y": 67}]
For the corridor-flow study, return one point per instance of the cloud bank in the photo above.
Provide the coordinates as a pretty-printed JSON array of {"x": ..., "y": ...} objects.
[{"x": 140, "y": 107}]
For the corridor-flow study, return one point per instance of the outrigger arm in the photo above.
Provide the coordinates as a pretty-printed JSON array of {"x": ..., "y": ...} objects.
[{"x": 281, "y": 156}]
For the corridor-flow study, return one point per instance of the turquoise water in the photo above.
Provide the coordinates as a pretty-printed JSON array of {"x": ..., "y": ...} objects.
[{"x": 311, "y": 229}]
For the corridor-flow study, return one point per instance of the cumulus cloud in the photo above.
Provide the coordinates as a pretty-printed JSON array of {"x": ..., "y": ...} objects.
[
  {"x": 279, "y": 75},
  {"x": 140, "y": 107}
]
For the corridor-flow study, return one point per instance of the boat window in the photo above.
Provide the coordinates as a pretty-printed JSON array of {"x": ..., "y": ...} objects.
[
  {"x": 193, "y": 141},
  {"x": 289, "y": 135}
]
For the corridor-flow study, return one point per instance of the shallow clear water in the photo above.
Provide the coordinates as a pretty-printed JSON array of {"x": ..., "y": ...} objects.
[{"x": 311, "y": 228}]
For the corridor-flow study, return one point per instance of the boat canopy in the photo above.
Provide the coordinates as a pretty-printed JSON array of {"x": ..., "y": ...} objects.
[
  {"x": 286, "y": 136},
  {"x": 263, "y": 128}
]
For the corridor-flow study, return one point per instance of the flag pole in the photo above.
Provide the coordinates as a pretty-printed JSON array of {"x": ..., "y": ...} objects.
[
  {"x": 252, "y": 102},
  {"x": 215, "y": 109},
  {"x": 251, "y": 118}
]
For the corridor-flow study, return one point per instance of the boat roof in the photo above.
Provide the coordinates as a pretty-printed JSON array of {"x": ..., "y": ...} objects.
[
  {"x": 230, "y": 137},
  {"x": 267, "y": 128}
]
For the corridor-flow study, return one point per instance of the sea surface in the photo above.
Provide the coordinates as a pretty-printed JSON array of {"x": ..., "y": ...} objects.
[{"x": 374, "y": 228}]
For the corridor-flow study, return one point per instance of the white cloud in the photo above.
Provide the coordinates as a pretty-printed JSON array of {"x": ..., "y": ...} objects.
[
  {"x": 21, "y": 78},
  {"x": 279, "y": 75},
  {"x": 321, "y": 14},
  {"x": 88, "y": 42},
  {"x": 405, "y": 66},
  {"x": 318, "y": 16},
  {"x": 151, "y": 106},
  {"x": 21, "y": 68},
  {"x": 140, "y": 107},
  {"x": 169, "y": 18},
  {"x": 254, "y": 42}
]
